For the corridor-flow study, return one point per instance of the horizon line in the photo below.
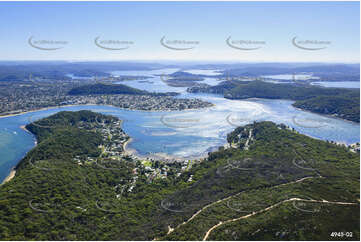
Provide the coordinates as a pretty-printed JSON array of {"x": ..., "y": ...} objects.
[{"x": 185, "y": 60}]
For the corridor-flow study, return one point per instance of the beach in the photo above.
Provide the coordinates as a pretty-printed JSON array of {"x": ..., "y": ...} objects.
[
  {"x": 24, "y": 128},
  {"x": 10, "y": 176},
  {"x": 43, "y": 109},
  {"x": 157, "y": 156}
]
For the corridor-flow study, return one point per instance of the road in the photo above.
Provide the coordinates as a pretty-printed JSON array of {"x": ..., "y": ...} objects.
[
  {"x": 269, "y": 208},
  {"x": 170, "y": 230}
]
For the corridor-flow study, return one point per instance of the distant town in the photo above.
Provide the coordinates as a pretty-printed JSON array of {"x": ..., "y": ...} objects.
[{"x": 20, "y": 97}]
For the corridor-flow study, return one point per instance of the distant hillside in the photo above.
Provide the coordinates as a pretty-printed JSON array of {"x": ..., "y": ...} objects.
[
  {"x": 341, "y": 102},
  {"x": 340, "y": 106},
  {"x": 182, "y": 79},
  {"x": 260, "y": 89},
  {"x": 100, "y": 88},
  {"x": 326, "y": 72},
  {"x": 111, "y": 89},
  {"x": 58, "y": 70},
  {"x": 221, "y": 88}
]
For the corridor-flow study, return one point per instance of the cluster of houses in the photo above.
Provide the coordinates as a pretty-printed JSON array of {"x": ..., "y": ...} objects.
[{"x": 113, "y": 149}]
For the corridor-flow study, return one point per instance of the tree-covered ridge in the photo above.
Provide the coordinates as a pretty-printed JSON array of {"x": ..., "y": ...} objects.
[
  {"x": 295, "y": 167},
  {"x": 112, "y": 89},
  {"x": 100, "y": 88},
  {"x": 260, "y": 89},
  {"x": 62, "y": 193},
  {"x": 346, "y": 107},
  {"x": 59, "y": 70},
  {"x": 341, "y": 102}
]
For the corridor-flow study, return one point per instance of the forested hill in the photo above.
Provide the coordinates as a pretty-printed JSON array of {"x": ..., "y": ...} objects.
[
  {"x": 68, "y": 187},
  {"x": 342, "y": 106},
  {"x": 100, "y": 88},
  {"x": 340, "y": 102},
  {"x": 260, "y": 89}
]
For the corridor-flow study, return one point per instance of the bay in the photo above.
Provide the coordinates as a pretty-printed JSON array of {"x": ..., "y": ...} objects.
[{"x": 183, "y": 134}]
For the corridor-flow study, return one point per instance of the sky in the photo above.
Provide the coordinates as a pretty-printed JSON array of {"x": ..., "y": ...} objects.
[{"x": 270, "y": 31}]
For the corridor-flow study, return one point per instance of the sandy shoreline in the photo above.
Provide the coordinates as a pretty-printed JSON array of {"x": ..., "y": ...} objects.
[
  {"x": 10, "y": 176},
  {"x": 125, "y": 146},
  {"x": 24, "y": 128},
  {"x": 47, "y": 108},
  {"x": 157, "y": 156}
]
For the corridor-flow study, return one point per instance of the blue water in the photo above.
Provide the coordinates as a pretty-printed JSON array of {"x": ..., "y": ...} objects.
[
  {"x": 204, "y": 72},
  {"x": 157, "y": 77},
  {"x": 291, "y": 76},
  {"x": 182, "y": 134},
  {"x": 345, "y": 84},
  {"x": 14, "y": 143},
  {"x": 72, "y": 76}
]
